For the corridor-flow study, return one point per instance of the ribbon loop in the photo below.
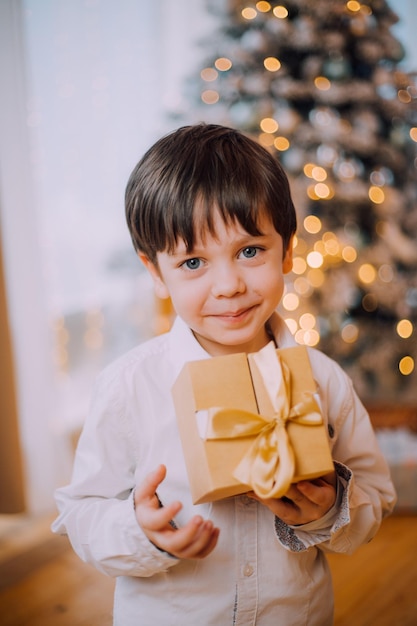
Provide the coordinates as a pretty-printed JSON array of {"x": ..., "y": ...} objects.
[{"x": 268, "y": 465}]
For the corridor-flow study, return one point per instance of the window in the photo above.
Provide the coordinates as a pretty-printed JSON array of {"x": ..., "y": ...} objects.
[{"x": 91, "y": 84}]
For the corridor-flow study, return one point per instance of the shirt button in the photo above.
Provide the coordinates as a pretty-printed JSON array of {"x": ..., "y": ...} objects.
[
  {"x": 246, "y": 500},
  {"x": 248, "y": 570}
]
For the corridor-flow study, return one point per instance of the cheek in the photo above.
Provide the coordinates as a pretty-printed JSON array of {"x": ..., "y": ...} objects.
[
  {"x": 270, "y": 287},
  {"x": 186, "y": 298},
  {"x": 268, "y": 280}
]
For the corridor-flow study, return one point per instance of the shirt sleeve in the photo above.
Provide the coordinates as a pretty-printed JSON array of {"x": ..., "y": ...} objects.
[
  {"x": 365, "y": 490},
  {"x": 96, "y": 509}
]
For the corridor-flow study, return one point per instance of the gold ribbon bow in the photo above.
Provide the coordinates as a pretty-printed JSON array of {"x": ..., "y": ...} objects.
[{"x": 268, "y": 466}]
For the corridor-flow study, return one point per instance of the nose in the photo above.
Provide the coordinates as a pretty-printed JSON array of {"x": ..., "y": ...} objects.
[{"x": 227, "y": 281}]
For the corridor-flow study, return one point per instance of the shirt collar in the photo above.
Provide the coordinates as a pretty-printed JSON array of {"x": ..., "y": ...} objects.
[
  {"x": 280, "y": 331},
  {"x": 184, "y": 346}
]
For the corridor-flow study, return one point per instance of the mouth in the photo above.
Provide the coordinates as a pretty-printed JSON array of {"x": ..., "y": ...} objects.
[{"x": 234, "y": 315}]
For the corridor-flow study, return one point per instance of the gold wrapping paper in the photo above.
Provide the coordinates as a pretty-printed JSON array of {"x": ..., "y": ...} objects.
[
  {"x": 268, "y": 465},
  {"x": 264, "y": 427}
]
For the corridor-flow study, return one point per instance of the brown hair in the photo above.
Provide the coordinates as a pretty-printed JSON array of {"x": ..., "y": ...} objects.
[{"x": 212, "y": 167}]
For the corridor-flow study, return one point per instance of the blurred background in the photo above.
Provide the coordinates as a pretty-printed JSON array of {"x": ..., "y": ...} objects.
[{"x": 88, "y": 85}]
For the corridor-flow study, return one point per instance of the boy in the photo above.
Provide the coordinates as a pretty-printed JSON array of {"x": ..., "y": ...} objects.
[{"x": 211, "y": 217}]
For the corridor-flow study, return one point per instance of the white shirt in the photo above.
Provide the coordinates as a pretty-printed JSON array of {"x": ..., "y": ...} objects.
[{"x": 262, "y": 571}]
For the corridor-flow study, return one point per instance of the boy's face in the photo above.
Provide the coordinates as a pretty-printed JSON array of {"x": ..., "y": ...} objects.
[{"x": 227, "y": 287}]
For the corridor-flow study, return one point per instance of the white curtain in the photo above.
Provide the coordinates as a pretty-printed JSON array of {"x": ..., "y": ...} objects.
[{"x": 87, "y": 86}]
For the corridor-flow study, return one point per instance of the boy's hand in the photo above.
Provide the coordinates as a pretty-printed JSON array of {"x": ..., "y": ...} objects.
[
  {"x": 195, "y": 540},
  {"x": 305, "y": 501}
]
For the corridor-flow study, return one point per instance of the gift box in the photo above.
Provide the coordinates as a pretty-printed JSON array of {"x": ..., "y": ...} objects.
[{"x": 250, "y": 422}]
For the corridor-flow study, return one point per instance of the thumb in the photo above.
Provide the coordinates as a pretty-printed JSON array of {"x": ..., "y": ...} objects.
[{"x": 147, "y": 489}]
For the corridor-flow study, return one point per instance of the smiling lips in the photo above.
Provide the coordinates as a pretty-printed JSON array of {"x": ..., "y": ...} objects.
[{"x": 234, "y": 315}]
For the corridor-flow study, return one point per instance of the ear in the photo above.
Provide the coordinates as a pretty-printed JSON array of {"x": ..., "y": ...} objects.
[
  {"x": 287, "y": 261},
  {"x": 159, "y": 286}
]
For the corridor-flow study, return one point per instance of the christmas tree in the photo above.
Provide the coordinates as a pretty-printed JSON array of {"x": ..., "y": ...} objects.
[{"x": 320, "y": 84}]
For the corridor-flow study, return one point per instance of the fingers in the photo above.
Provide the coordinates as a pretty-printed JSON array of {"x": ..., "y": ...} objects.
[
  {"x": 148, "y": 488},
  {"x": 150, "y": 513},
  {"x": 319, "y": 492},
  {"x": 154, "y": 517},
  {"x": 331, "y": 479},
  {"x": 304, "y": 502},
  {"x": 194, "y": 540}
]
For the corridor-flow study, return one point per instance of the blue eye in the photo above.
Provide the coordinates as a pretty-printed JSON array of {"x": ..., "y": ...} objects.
[
  {"x": 192, "y": 264},
  {"x": 249, "y": 252}
]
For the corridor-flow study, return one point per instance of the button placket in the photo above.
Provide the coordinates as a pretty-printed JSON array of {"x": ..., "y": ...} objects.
[{"x": 247, "y": 583}]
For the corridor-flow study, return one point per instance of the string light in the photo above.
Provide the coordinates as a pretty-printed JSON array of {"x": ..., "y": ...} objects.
[
  {"x": 272, "y": 64},
  {"x": 320, "y": 247},
  {"x": 269, "y": 125},
  {"x": 210, "y": 96},
  {"x": 249, "y": 13},
  {"x": 322, "y": 191},
  {"x": 280, "y": 12},
  {"x": 353, "y": 6},
  {"x": 331, "y": 246},
  {"x": 266, "y": 139},
  {"x": 307, "y": 337},
  {"x": 404, "y": 329},
  {"x": 314, "y": 259},
  {"x": 345, "y": 170},
  {"x": 318, "y": 173},
  {"x": 209, "y": 74},
  {"x": 350, "y": 333},
  {"x": 386, "y": 273},
  {"x": 322, "y": 83},
  {"x": 299, "y": 265},
  {"x": 406, "y": 365},
  {"x": 307, "y": 321},
  {"x": 369, "y": 302},
  {"x": 404, "y": 96},
  {"x": 290, "y": 301},
  {"x": 263, "y": 7},
  {"x": 308, "y": 169},
  {"x": 302, "y": 286},
  {"x": 319, "y": 251},
  {"x": 312, "y": 224},
  {"x": 316, "y": 277},
  {"x": 292, "y": 325},
  {"x": 376, "y": 194},
  {"x": 349, "y": 254},
  {"x": 223, "y": 64},
  {"x": 281, "y": 143},
  {"x": 367, "y": 273},
  {"x": 311, "y": 192}
]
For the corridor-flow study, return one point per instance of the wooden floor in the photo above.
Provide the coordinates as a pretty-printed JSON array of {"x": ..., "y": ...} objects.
[{"x": 43, "y": 583}]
